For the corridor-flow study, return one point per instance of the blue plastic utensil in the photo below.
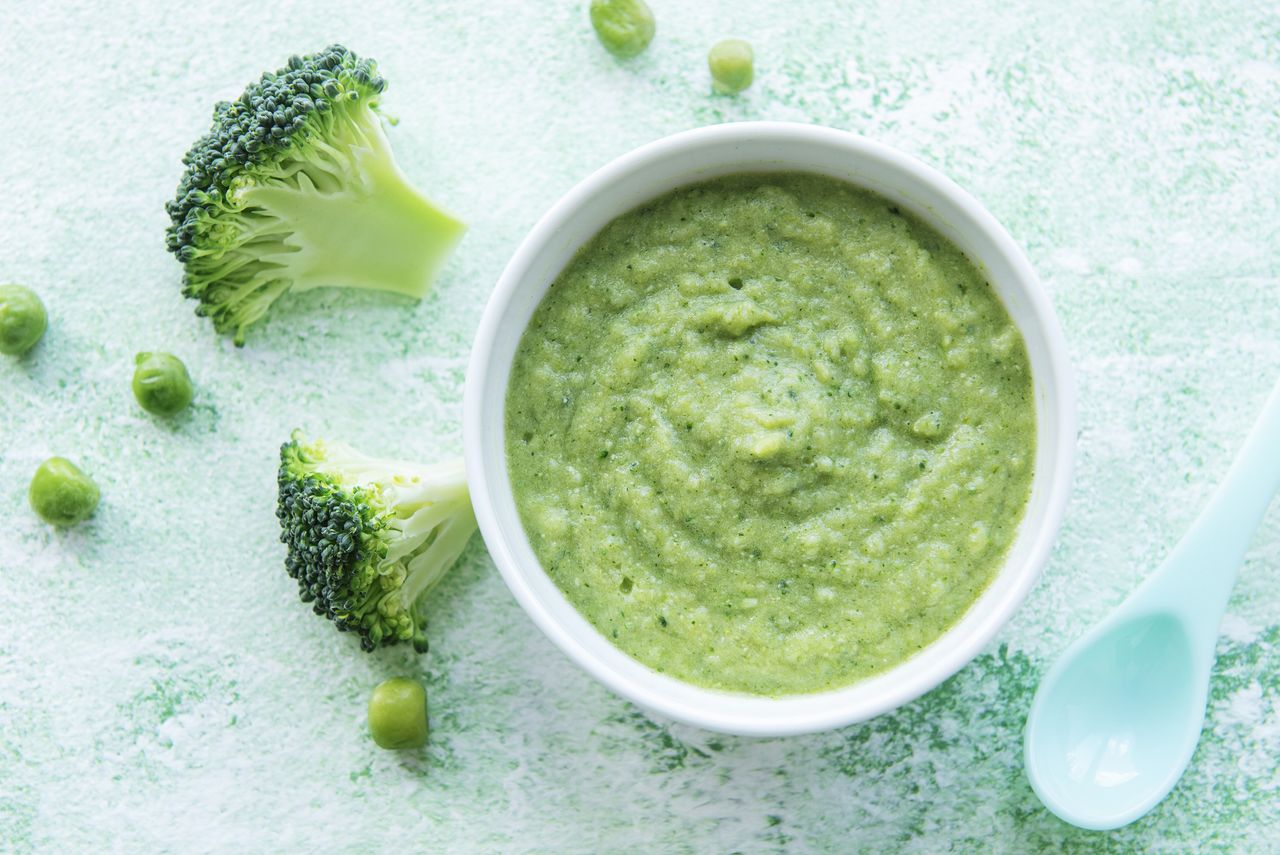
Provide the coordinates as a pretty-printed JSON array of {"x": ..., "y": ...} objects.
[{"x": 1115, "y": 721}]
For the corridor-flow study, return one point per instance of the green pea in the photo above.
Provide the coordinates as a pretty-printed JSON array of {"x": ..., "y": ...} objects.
[
  {"x": 732, "y": 64},
  {"x": 161, "y": 383},
  {"x": 398, "y": 714},
  {"x": 624, "y": 27},
  {"x": 61, "y": 494},
  {"x": 22, "y": 319}
]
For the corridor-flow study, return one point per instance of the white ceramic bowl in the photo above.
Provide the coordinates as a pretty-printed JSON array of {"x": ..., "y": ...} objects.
[{"x": 652, "y": 170}]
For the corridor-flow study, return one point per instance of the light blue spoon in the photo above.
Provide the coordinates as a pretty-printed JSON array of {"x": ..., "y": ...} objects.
[{"x": 1115, "y": 721}]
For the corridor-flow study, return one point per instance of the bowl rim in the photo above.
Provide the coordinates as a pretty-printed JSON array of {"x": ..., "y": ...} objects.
[{"x": 481, "y": 474}]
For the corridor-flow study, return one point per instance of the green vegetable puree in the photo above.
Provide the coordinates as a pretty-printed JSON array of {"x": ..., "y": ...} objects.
[{"x": 770, "y": 434}]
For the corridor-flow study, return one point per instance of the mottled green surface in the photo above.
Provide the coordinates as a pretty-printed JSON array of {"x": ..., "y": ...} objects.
[
  {"x": 162, "y": 690},
  {"x": 769, "y": 434}
]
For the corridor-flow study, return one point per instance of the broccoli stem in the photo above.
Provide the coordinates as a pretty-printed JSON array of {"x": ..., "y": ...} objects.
[
  {"x": 429, "y": 567},
  {"x": 353, "y": 219}
]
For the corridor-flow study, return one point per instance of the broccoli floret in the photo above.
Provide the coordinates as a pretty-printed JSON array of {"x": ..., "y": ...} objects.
[
  {"x": 295, "y": 187},
  {"x": 368, "y": 538}
]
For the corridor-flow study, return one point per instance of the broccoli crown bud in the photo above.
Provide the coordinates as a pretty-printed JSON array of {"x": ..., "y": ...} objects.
[
  {"x": 259, "y": 128},
  {"x": 293, "y": 187},
  {"x": 366, "y": 539}
]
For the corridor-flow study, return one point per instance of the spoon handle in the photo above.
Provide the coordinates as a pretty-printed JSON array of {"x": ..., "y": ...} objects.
[{"x": 1197, "y": 577}]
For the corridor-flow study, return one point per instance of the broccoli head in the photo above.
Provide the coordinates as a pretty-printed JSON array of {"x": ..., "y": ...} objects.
[
  {"x": 295, "y": 187},
  {"x": 368, "y": 538}
]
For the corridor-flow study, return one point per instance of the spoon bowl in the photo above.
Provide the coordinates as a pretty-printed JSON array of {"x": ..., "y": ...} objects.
[{"x": 1108, "y": 718}]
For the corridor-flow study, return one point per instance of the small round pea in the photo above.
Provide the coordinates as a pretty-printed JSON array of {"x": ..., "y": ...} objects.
[
  {"x": 61, "y": 494},
  {"x": 161, "y": 383},
  {"x": 624, "y": 27},
  {"x": 398, "y": 714},
  {"x": 732, "y": 64},
  {"x": 22, "y": 319}
]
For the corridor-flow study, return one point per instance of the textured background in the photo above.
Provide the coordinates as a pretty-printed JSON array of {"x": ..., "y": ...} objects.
[{"x": 162, "y": 690}]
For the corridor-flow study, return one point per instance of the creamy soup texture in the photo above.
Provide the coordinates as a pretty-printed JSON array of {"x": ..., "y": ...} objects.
[{"x": 771, "y": 434}]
